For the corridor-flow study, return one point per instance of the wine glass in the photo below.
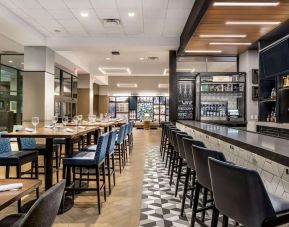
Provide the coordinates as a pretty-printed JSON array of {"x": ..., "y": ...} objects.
[
  {"x": 79, "y": 118},
  {"x": 75, "y": 120},
  {"x": 35, "y": 122},
  {"x": 54, "y": 120},
  {"x": 65, "y": 121}
]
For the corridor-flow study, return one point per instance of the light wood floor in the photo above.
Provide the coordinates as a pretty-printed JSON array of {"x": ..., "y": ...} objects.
[{"x": 122, "y": 207}]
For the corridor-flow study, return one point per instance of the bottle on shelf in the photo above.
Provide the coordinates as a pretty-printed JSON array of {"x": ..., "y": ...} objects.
[{"x": 273, "y": 93}]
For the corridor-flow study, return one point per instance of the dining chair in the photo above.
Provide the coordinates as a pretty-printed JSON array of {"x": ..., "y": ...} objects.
[{"x": 42, "y": 213}]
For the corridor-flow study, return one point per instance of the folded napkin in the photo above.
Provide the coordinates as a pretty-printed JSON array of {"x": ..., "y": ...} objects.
[
  {"x": 48, "y": 126},
  {"x": 8, "y": 187},
  {"x": 69, "y": 130},
  {"x": 29, "y": 129}
]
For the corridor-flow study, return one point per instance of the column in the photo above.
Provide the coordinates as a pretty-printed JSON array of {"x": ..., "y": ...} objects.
[
  {"x": 85, "y": 95},
  {"x": 38, "y": 84},
  {"x": 103, "y": 99}
]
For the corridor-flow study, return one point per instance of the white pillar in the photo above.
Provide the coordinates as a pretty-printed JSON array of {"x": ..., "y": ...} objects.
[{"x": 38, "y": 83}]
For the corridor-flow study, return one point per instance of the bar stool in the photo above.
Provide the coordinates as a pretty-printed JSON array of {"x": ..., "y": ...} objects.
[
  {"x": 163, "y": 137},
  {"x": 119, "y": 146},
  {"x": 240, "y": 194},
  {"x": 201, "y": 155},
  {"x": 171, "y": 151},
  {"x": 190, "y": 172},
  {"x": 166, "y": 145},
  {"x": 177, "y": 162}
]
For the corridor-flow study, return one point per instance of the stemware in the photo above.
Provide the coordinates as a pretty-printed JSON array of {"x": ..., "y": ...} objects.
[
  {"x": 64, "y": 120},
  {"x": 54, "y": 120},
  {"x": 35, "y": 122},
  {"x": 79, "y": 118},
  {"x": 75, "y": 120}
]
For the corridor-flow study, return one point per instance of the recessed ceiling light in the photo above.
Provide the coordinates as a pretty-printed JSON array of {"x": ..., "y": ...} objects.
[
  {"x": 253, "y": 22},
  {"x": 223, "y": 36},
  {"x": 127, "y": 85},
  {"x": 166, "y": 72},
  {"x": 131, "y": 14},
  {"x": 163, "y": 85},
  {"x": 84, "y": 14},
  {"x": 10, "y": 61},
  {"x": 246, "y": 3},
  {"x": 229, "y": 44},
  {"x": 203, "y": 51},
  {"x": 107, "y": 59},
  {"x": 186, "y": 70},
  {"x": 141, "y": 59}
]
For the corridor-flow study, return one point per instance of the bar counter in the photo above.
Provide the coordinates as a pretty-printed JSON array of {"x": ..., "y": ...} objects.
[{"x": 265, "y": 154}]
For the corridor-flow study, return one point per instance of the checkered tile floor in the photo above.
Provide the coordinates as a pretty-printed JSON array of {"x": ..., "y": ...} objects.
[{"x": 159, "y": 205}]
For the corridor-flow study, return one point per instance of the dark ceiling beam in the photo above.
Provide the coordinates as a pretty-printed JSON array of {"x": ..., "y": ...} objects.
[{"x": 198, "y": 11}]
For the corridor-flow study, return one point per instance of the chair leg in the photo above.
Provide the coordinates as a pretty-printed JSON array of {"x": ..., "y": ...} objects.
[
  {"x": 57, "y": 165},
  {"x": 225, "y": 221},
  {"x": 185, "y": 190},
  {"x": 120, "y": 157},
  {"x": 31, "y": 170},
  {"x": 205, "y": 199},
  {"x": 104, "y": 183},
  {"x": 98, "y": 189},
  {"x": 174, "y": 164},
  {"x": 113, "y": 168},
  {"x": 179, "y": 175},
  {"x": 7, "y": 172},
  {"x": 18, "y": 175},
  {"x": 215, "y": 217},
  {"x": 108, "y": 173},
  {"x": 195, "y": 205},
  {"x": 36, "y": 169}
]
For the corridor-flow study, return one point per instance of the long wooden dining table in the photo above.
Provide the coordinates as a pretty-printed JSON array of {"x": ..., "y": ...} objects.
[
  {"x": 106, "y": 125},
  {"x": 49, "y": 134}
]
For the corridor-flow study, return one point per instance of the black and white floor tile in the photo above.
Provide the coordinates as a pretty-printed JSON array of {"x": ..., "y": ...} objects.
[{"x": 159, "y": 205}]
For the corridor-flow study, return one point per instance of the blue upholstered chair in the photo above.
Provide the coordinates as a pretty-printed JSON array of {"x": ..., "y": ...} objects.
[
  {"x": 91, "y": 160},
  {"x": 110, "y": 158},
  {"x": 25, "y": 144},
  {"x": 9, "y": 158},
  {"x": 130, "y": 136}
]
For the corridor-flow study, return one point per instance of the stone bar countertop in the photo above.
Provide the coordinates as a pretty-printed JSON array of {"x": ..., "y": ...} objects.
[
  {"x": 273, "y": 124},
  {"x": 275, "y": 149}
]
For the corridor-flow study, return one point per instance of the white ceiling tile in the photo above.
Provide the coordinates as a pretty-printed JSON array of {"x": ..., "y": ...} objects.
[
  {"x": 78, "y": 32},
  {"x": 129, "y": 4},
  {"x": 38, "y": 13},
  {"x": 27, "y": 4},
  {"x": 154, "y": 13},
  {"x": 61, "y": 13},
  {"x": 77, "y": 13},
  {"x": 70, "y": 24},
  {"x": 155, "y": 4},
  {"x": 107, "y": 13},
  {"x": 178, "y": 13},
  {"x": 9, "y": 4},
  {"x": 53, "y": 4},
  {"x": 173, "y": 27},
  {"x": 104, "y": 4},
  {"x": 153, "y": 27},
  {"x": 78, "y": 4},
  {"x": 181, "y": 4},
  {"x": 49, "y": 24}
]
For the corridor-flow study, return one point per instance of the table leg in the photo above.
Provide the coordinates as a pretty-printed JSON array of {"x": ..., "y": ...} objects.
[
  {"x": 105, "y": 129},
  {"x": 49, "y": 163},
  {"x": 109, "y": 128},
  {"x": 88, "y": 138},
  {"x": 68, "y": 152}
]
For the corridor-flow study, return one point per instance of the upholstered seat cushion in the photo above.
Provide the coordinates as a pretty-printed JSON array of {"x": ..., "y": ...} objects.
[
  {"x": 59, "y": 141},
  {"x": 12, "y": 220},
  {"x": 15, "y": 157},
  {"x": 90, "y": 148},
  {"x": 41, "y": 148},
  {"x": 81, "y": 158},
  {"x": 280, "y": 205}
]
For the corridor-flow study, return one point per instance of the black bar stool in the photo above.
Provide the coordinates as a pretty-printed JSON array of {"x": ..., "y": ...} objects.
[
  {"x": 201, "y": 155},
  {"x": 166, "y": 141},
  {"x": 170, "y": 147},
  {"x": 239, "y": 193},
  {"x": 162, "y": 146},
  {"x": 190, "y": 172},
  {"x": 181, "y": 159}
]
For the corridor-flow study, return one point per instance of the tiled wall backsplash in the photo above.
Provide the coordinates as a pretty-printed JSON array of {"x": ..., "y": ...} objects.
[{"x": 274, "y": 175}]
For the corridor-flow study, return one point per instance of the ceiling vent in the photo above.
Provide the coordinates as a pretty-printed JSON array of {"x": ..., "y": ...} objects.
[
  {"x": 111, "y": 23},
  {"x": 153, "y": 58},
  {"x": 115, "y": 53}
]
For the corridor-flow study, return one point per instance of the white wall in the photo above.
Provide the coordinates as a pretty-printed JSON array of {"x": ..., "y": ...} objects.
[{"x": 248, "y": 61}]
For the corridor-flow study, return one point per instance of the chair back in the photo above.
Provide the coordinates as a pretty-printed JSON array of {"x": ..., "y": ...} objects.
[
  {"x": 239, "y": 193},
  {"x": 171, "y": 138},
  {"x": 188, "y": 142},
  {"x": 45, "y": 209},
  {"x": 180, "y": 144},
  {"x": 126, "y": 130},
  {"x": 24, "y": 143},
  {"x": 130, "y": 127},
  {"x": 175, "y": 140},
  {"x": 201, "y": 156},
  {"x": 101, "y": 148},
  {"x": 111, "y": 142},
  {"x": 120, "y": 136},
  {"x": 5, "y": 145}
]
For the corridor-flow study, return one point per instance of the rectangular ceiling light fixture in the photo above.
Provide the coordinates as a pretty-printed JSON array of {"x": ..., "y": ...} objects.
[
  {"x": 186, "y": 70},
  {"x": 253, "y": 22},
  {"x": 246, "y": 3},
  {"x": 163, "y": 85},
  {"x": 223, "y": 36},
  {"x": 203, "y": 51},
  {"x": 127, "y": 85},
  {"x": 122, "y": 71},
  {"x": 229, "y": 44}
]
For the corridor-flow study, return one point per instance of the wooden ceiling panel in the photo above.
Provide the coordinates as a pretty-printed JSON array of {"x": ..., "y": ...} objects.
[{"x": 214, "y": 22}]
